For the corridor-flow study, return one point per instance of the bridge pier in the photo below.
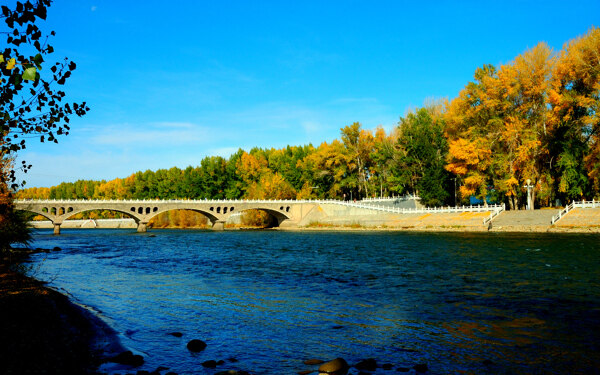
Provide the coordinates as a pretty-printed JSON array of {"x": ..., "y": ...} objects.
[
  {"x": 142, "y": 227},
  {"x": 218, "y": 225},
  {"x": 56, "y": 228}
]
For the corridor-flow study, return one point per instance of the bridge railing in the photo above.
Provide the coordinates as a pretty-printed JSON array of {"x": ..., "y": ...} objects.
[
  {"x": 495, "y": 209},
  {"x": 391, "y": 199}
]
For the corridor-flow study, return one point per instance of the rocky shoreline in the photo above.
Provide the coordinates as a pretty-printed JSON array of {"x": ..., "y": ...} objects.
[{"x": 43, "y": 331}]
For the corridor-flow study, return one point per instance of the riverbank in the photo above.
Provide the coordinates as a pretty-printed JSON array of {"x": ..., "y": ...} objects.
[{"x": 42, "y": 331}]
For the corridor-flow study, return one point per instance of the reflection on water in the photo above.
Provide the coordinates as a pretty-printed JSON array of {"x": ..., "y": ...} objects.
[{"x": 469, "y": 303}]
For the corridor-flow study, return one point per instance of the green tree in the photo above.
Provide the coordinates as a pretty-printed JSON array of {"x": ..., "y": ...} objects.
[{"x": 422, "y": 149}]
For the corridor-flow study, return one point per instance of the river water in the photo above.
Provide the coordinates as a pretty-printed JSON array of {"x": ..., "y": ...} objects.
[{"x": 265, "y": 301}]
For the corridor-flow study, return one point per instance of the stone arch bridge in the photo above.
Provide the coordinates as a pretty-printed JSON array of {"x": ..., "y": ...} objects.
[{"x": 286, "y": 212}]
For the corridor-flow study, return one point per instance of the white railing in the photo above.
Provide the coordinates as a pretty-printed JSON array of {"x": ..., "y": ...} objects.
[
  {"x": 493, "y": 214},
  {"x": 582, "y": 204},
  {"x": 493, "y": 207},
  {"x": 389, "y": 199}
]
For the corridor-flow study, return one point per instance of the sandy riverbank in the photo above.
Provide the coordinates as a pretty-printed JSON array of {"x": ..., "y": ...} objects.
[{"x": 43, "y": 332}]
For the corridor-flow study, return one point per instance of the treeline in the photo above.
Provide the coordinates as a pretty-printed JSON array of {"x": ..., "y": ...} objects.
[{"x": 533, "y": 120}]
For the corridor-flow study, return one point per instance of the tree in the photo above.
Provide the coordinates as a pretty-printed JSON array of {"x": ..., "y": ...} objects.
[
  {"x": 29, "y": 104},
  {"x": 422, "y": 150},
  {"x": 575, "y": 116},
  {"x": 359, "y": 145},
  {"x": 382, "y": 157}
]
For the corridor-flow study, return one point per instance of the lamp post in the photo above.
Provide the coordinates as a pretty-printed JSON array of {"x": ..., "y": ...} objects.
[
  {"x": 454, "y": 191},
  {"x": 529, "y": 187}
]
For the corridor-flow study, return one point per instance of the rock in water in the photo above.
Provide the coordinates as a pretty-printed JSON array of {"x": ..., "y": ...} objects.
[
  {"x": 336, "y": 367},
  {"x": 196, "y": 345},
  {"x": 421, "y": 368},
  {"x": 367, "y": 364},
  {"x": 313, "y": 362},
  {"x": 210, "y": 363},
  {"x": 128, "y": 358}
]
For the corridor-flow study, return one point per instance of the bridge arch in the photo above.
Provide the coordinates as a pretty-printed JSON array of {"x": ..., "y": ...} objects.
[
  {"x": 279, "y": 215},
  {"x": 81, "y": 210},
  {"x": 210, "y": 216},
  {"x": 45, "y": 214}
]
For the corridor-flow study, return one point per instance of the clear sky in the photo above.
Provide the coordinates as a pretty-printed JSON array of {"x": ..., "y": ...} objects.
[{"x": 170, "y": 82}]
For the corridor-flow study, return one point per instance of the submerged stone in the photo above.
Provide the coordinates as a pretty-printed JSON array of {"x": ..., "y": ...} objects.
[
  {"x": 196, "y": 345},
  {"x": 421, "y": 367},
  {"x": 210, "y": 363},
  {"x": 367, "y": 364},
  {"x": 313, "y": 362}
]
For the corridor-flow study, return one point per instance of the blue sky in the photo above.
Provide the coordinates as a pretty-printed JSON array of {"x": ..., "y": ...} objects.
[{"x": 169, "y": 83}]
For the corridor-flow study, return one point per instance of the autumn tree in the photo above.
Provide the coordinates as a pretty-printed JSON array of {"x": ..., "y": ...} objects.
[
  {"x": 519, "y": 94},
  {"x": 575, "y": 117},
  {"x": 359, "y": 145},
  {"x": 472, "y": 124},
  {"x": 328, "y": 171}
]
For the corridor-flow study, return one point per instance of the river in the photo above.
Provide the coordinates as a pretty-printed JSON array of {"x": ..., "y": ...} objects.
[{"x": 265, "y": 301}]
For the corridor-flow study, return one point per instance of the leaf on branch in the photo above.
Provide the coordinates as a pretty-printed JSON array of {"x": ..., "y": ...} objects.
[
  {"x": 38, "y": 60},
  {"x": 29, "y": 74},
  {"x": 11, "y": 63}
]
